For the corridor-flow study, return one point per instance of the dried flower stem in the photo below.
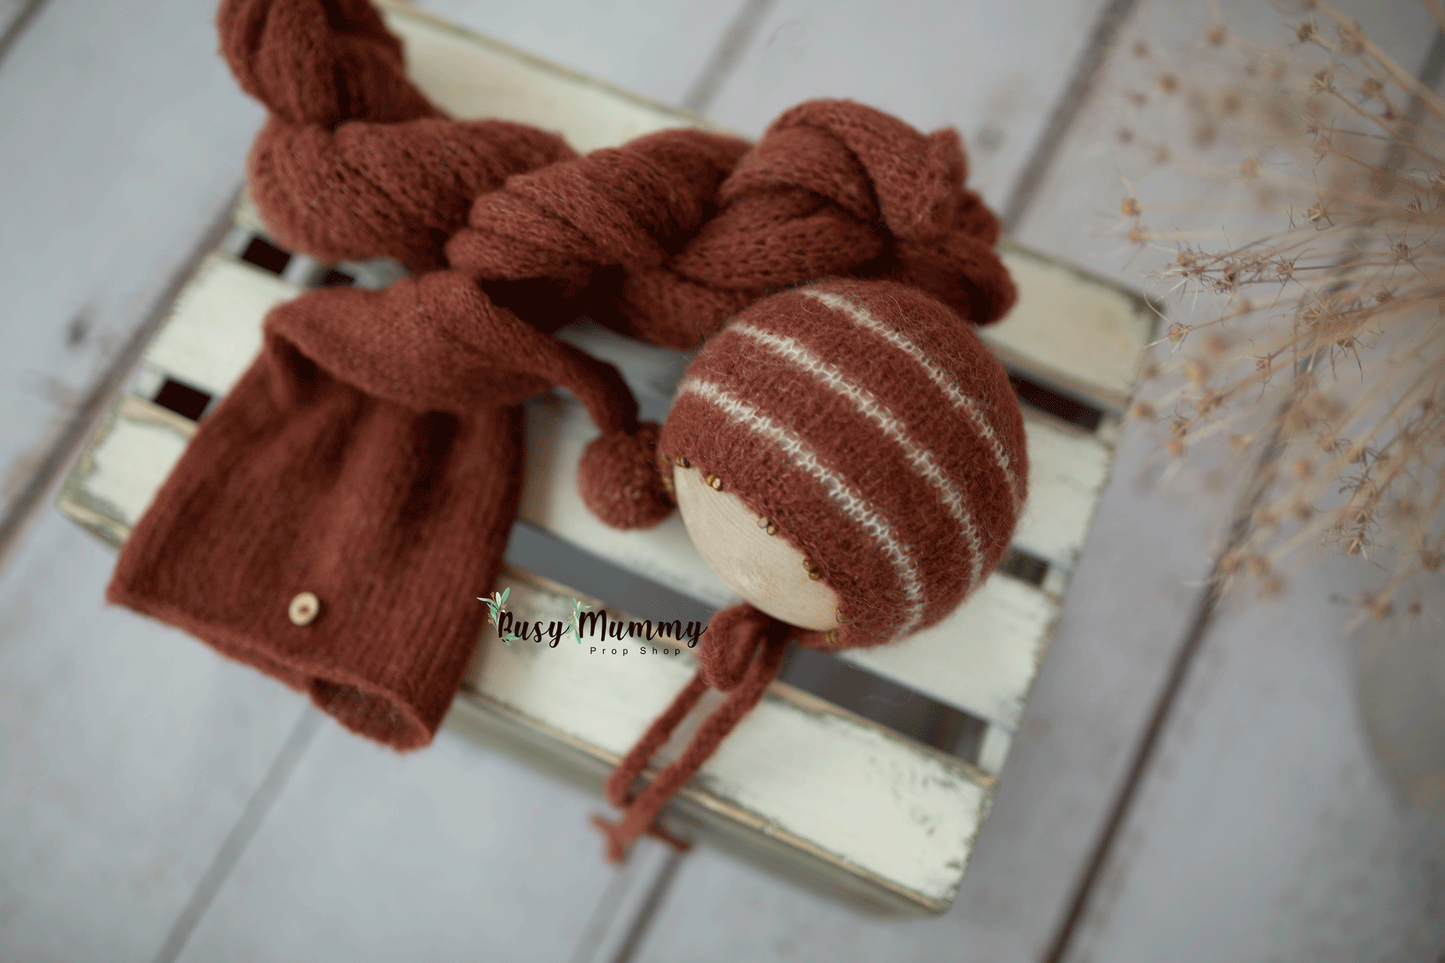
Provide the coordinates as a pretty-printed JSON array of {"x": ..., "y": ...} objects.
[{"x": 1344, "y": 358}]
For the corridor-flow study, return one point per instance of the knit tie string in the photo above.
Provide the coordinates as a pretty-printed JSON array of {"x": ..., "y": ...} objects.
[{"x": 741, "y": 653}]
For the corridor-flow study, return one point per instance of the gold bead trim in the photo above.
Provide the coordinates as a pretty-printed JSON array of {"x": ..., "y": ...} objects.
[
  {"x": 715, "y": 483},
  {"x": 840, "y": 616},
  {"x": 832, "y": 636},
  {"x": 765, "y": 523}
]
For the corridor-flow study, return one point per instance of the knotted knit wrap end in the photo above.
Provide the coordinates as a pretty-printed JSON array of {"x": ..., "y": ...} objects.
[
  {"x": 354, "y": 162},
  {"x": 742, "y": 650},
  {"x": 319, "y": 61}
]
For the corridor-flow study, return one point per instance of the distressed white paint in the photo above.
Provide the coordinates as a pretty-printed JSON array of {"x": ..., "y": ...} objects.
[
  {"x": 557, "y": 432},
  {"x": 1068, "y": 466},
  {"x": 214, "y": 331},
  {"x": 1139, "y": 575},
  {"x": 1068, "y": 469},
  {"x": 125, "y": 466},
  {"x": 1101, "y": 676},
  {"x": 994, "y": 749},
  {"x": 871, "y": 799},
  {"x": 981, "y": 658},
  {"x": 1084, "y": 334},
  {"x": 138, "y": 453}
]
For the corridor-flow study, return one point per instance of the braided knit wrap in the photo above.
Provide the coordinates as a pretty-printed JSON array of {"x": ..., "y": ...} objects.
[
  {"x": 371, "y": 455},
  {"x": 683, "y": 228}
]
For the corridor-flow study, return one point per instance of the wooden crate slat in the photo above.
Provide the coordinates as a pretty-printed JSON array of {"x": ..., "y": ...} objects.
[
  {"x": 599, "y": 704},
  {"x": 982, "y": 658},
  {"x": 124, "y": 464},
  {"x": 557, "y": 431},
  {"x": 873, "y": 800},
  {"x": 1071, "y": 328},
  {"x": 1068, "y": 470},
  {"x": 991, "y": 646},
  {"x": 214, "y": 331}
]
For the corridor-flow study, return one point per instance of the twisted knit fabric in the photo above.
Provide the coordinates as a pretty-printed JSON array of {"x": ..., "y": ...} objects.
[
  {"x": 681, "y": 229},
  {"x": 740, "y": 654},
  {"x": 371, "y": 454}
]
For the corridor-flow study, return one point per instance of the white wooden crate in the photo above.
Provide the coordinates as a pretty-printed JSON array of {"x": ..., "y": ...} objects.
[{"x": 801, "y": 782}]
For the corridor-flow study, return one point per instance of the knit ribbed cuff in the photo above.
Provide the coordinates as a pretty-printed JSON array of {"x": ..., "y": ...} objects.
[{"x": 395, "y": 520}]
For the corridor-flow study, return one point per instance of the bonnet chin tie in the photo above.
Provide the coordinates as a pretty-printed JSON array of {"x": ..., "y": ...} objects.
[{"x": 741, "y": 652}]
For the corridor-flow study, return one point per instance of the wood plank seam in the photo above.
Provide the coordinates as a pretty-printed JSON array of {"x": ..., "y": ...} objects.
[
  {"x": 94, "y": 406},
  {"x": 726, "y": 56},
  {"x": 284, "y": 764},
  {"x": 17, "y": 26},
  {"x": 1199, "y": 622},
  {"x": 1066, "y": 109}
]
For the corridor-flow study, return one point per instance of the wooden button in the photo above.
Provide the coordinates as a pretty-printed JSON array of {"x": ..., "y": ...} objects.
[{"x": 304, "y": 608}]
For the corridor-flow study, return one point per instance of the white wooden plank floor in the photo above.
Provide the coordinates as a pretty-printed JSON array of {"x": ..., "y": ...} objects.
[
  {"x": 128, "y": 754},
  {"x": 157, "y": 802},
  {"x": 455, "y": 853},
  {"x": 1263, "y": 831},
  {"x": 121, "y": 134}
]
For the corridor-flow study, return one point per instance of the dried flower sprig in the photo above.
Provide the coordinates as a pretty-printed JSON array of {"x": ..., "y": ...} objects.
[{"x": 1322, "y": 348}]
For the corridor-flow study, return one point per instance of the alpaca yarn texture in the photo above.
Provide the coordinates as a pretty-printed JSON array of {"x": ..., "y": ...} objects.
[
  {"x": 371, "y": 455},
  {"x": 368, "y": 463},
  {"x": 866, "y": 424}
]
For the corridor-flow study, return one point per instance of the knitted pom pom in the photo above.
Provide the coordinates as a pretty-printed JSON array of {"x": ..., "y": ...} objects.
[{"x": 619, "y": 481}]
